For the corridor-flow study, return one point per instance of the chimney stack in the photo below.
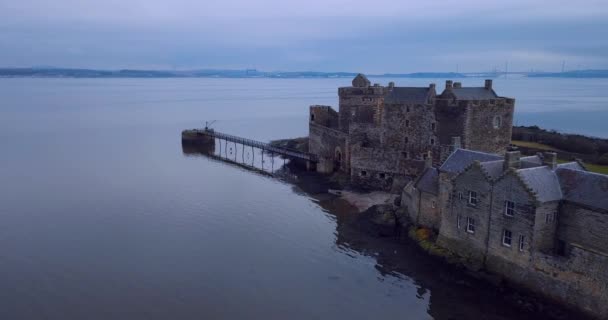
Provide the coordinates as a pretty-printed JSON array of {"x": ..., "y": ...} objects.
[
  {"x": 391, "y": 85},
  {"x": 432, "y": 86},
  {"x": 512, "y": 160},
  {"x": 457, "y": 85},
  {"x": 488, "y": 84},
  {"x": 550, "y": 159},
  {"x": 428, "y": 162},
  {"x": 448, "y": 84}
]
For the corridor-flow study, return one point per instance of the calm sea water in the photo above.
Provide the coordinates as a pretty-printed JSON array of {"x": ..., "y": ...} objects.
[{"x": 102, "y": 216}]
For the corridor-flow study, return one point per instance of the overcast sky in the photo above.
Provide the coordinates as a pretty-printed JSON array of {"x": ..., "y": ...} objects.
[{"x": 375, "y": 36}]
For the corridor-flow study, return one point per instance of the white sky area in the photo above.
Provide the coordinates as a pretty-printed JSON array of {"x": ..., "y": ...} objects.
[{"x": 322, "y": 35}]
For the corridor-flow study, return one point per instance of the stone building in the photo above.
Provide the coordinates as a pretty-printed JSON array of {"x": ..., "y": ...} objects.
[
  {"x": 536, "y": 222},
  {"x": 383, "y": 136}
]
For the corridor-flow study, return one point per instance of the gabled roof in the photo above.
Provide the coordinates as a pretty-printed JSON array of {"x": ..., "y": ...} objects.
[
  {"x": 583, "y": 187},
  {"x": 428, "y": 181},
  {"x": 543, "y": 182},
  {"x": 493, "y": 169},
  {"x": 473, "y": 93},
  {"x": 462, "y": 158},
  {"x": 408, "y": 94},
  {"x": 574, "y": 165},
  {"x": 531, "y": 161}
]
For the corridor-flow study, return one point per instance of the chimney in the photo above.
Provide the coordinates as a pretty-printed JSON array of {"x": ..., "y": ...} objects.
[
  {"x": 488, "y": 84},
  {"x": 512, "y": 160},
  {"x": 455, "y": 143},
  {"x": 428, "y": 161},
  {"x": 391, "y": 85},
  {"x": 432, "y": 86},
  {"x": 448, "y": 84},
  {"x": 457, "y": 85},
  {"x": 550, "y": 159}
]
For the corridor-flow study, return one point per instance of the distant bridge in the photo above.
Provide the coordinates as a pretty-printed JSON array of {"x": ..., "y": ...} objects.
[{"x": 287, "y": 152}]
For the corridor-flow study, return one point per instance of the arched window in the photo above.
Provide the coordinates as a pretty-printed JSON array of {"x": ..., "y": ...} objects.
[
  {"x": 312, "y": 117},
  {"x": 497, "y": 122}
]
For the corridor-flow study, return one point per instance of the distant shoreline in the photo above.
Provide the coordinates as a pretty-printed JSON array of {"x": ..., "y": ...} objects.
[{"x": 252, "y": 73}]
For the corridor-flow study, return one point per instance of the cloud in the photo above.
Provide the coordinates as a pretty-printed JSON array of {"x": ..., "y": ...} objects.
[{"x": 379, "y": 36}]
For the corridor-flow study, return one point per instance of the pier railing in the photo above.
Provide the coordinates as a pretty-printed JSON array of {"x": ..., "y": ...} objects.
[{"x": 260, "y": 145}]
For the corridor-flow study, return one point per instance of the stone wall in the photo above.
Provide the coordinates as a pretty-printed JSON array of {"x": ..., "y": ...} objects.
[
  {"x": 326, "y": 143},
  {"x": 522, "y": 223},
  {"x": 584, "y": 227},
  {"x": 360, "y": 105},
  {"x": 579, "y": 280},
  {"x": 324, "y": 116},
  {"x": 453, "y": 235},
  {"x": 482, "y": 130},
  {"x": 412, "y": 129}
]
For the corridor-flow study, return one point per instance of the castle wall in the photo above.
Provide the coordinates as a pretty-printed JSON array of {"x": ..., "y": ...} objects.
[
  {"x": 481, "y": 131},
  {"x": 325, "y": 142},
  {"x": 583, "y": 227},
  {"x": 374, "y": 168},
  {"x": 411, "y": 128},
  {"x": 360, "y": 105},
  {"x": 324, "y": 116}
]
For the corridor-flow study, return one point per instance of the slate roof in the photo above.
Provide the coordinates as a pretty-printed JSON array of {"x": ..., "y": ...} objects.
[
  {"x": 474, "y": 93},
  {"x": 493, "y": 169},
  {"x": 429, "y": 181},
  {"x": 543, "y": 181},
  {"x": 408, "y": 94},
  {"x": 462, "y": 158},
  {"x": 583, "y": 187},
  {"x": 572, "y": 166}
]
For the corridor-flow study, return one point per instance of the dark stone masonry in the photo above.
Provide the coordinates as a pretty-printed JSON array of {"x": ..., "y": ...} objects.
[{"x": 537, "y": 223}]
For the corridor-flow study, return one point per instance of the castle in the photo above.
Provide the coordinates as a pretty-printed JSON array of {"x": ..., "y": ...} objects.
[
  {"x": 534, "y": 221},
  {"x": 383, "y": 136}
]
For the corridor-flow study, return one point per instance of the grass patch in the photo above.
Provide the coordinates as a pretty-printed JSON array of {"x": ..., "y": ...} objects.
[
  {"x": 597, "y": 168},
  {"x": 534, "y": 145}
]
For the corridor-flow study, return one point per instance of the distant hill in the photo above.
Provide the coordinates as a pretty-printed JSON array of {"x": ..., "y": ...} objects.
[
  {"x": 49, "y": 72},
  {"x": 52, "y": 72},
  {"x": 571, "y": 74}
]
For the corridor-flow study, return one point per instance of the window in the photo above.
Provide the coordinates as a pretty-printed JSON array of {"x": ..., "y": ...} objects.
[
  {"x": 460, "y": 196},
  {"x": 312, "y": 117},
  {"x": 407, "y": 109},
  {"x": 550, "y": 217},
  {"x": 363, "y": 173},
  {"x": 521, "y": 243},
  {"x": 473, "y": 198},
  {"x": 458, "y": 221},
  {"x": 353, "y": 112},
  {"x": 433, "y": 204},
  {"x": 497, "y": 122},
  {"x": 509, "y": 208},
  {"x": 506, "y": 238},
  {"x": 405, "y": 154},
  {"x": 432, "y": 142},
  {"x": 433, "y": 126},
  {"x": 470, "y": 225},
  {"x": 366, "y": 99},
  {"x": 382, "y": 175},
  {"x": 407, "y": 139},
  {"x": 407, "y": 123}
]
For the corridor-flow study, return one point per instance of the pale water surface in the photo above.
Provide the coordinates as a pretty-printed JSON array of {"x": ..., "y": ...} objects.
[{"x": 102, "y": 216}]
